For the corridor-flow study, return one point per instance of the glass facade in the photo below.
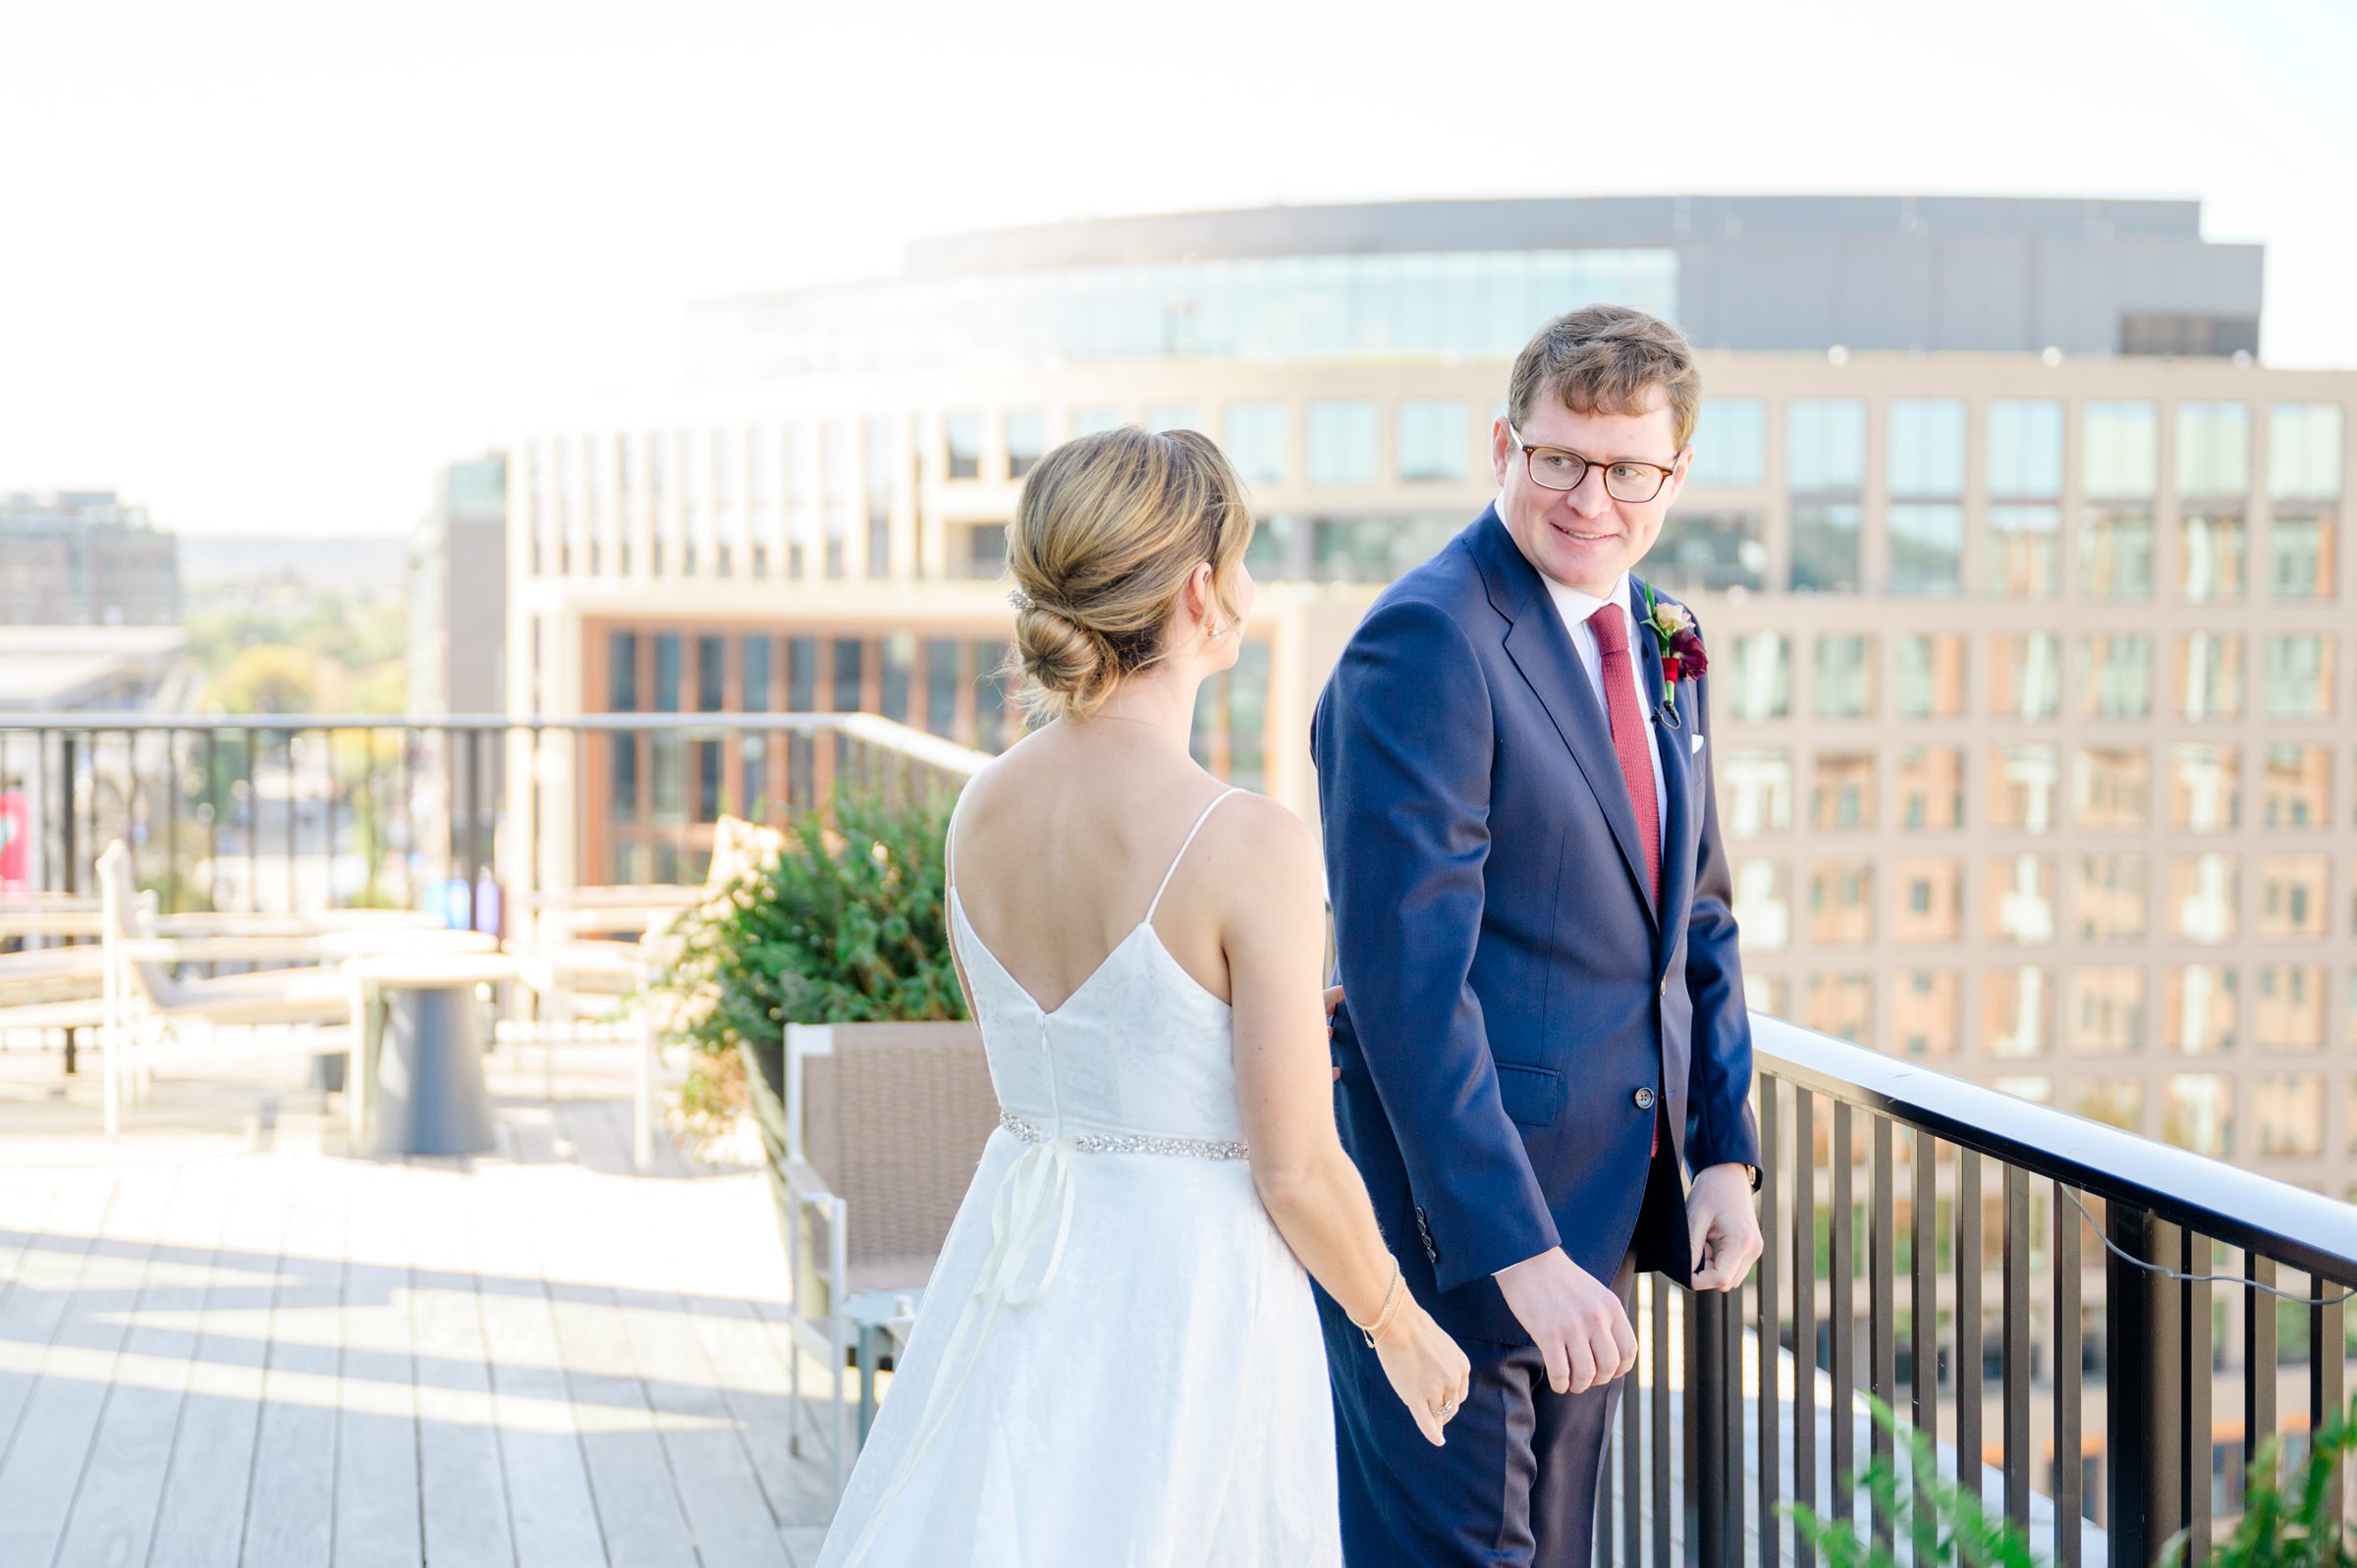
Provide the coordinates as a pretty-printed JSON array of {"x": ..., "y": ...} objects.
[
  {"x": 1730, "y": 443},
  {"x": 2121, "y": 445},
  {"x": 1255, "y": 436},
  {"x": 1700, "y": 551},
  {"x": 1266, "y": 309},
  {"x": 2303, "y": 452},
  {"x": 1436, "y": 439},
  {"x": 2024, "y": 552},
  {"x": 2213, "y": 449},
  {"x": 1342, "y": 442},
  {"x": 2025, "y": 448}
]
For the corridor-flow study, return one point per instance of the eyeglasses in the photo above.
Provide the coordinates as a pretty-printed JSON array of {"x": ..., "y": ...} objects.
[{"x": 1562, "y": 469}]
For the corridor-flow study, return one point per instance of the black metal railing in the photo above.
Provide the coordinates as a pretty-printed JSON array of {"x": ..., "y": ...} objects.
[{"x": 2079, "y": 1318}]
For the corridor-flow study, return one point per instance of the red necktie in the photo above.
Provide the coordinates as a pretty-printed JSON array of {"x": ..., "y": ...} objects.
[{"x": 1611, "y": 626}]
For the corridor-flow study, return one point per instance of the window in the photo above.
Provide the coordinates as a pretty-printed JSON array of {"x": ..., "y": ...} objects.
[
  {"x": 850, "y": 685},
  {"x": 1931, "y": 676},
  {"x": 1755, "y": 795},
  {"x": 2213, "y": 449},
  {"x": 941, "y": 687},
  {"x": 1762, "y": 906},
  {"x": 1931, "y": 787},
  {"x": 2199, "y": 1114},
  {"x": 2121, "y": 450},
  {"x": 2021, "y": 900},
  {"x": 2024, "y": 557},
  {"x": 2299, "y": 676},
  {"x": 2210, "y": 675},
  {"x": 1730, "y": 443},
  {"x": 1926, "y": 447},
  {"x": 2289, "y": 1012},
  {"x": 1931, "y": 902},
  {"x": 962, "y": 436},
  {"x": 2210, "y": 552},
  {"x": 1841, "y": 1006},
  {"x": 1757, "y": 682},
  {"x": 2303, "y": 452},
  {"x": 2115, "y": 675},
  {"x": 1026, "y": 442},
  {"x": 2106, "y": 1012},
  {"x": 2205, "y": 786},
  {"x": 2293, "y": 902},
  {"x": 2203, "y": 904},
  {"x": 2015, "y": 1001},
  {"x": 2113, "y": 1101},
  {"x": 2301, "y": 558},
  {"x": 756, "y": 653},
  {"x": 1435, "y": 436},
  {"x": 2110, "y": 898},
  {"x": 2115, "y": 555},
  {"x": 622, "y": 672},
  {"x": 1375, "y": 549},
  {"x": 1174, "y": 416},
  {"x": 2298, "y": 787},
  {"x": 1927, "y": 547},
  {"x": 1927, "y": 1013},
  {"x": 2203, "y": 1002},
  {"x": 1255, "y": 441},
  {"x": 898, "y": 666},
  {"x": 1087, "y": 422},
  {"x": 1842, "y": 798},
  {"x": 2287, "y": 1114},
  {"x": 2025, "y": 448},
  {"x": 667, "y": 671},
  {"x": 1701, "y": 552},
  {"x": 711, "y": 674},
  {"x": 1842, "y": 681},
  {"x": 2110, "y": 790},
  {"x": 2025, "y": 677},
  {"x": 1824, "y": 547},
  {"x": 990, "y": 697},
  {"x": 2021, "y": 787},
  {"x": 1825, "y": 446},
  {"x": 1342, "y": 443},
  {"x": 1842, "y": 903}
]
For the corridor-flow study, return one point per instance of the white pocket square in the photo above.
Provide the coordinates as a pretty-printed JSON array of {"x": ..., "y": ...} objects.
[{"x": 1693, "y": 745}]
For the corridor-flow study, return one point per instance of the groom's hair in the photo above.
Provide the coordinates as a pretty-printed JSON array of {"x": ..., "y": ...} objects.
[{"x": 1608, "y": 359}]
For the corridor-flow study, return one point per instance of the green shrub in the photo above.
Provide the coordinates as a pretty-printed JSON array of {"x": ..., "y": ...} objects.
[
  {"x": 845, "y": 926},
  {"x": 2299, "y": 1526}
]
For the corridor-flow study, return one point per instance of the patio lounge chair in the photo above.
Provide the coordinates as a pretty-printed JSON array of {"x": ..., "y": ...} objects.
[{"x": 882, "y": 1127}]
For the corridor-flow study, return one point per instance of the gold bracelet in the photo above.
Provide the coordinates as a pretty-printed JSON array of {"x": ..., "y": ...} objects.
[{"x": 1382, "y": 1319}]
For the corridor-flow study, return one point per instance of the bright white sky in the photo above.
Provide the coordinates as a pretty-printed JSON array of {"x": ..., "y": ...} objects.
[{"x": 264, "y": 267}]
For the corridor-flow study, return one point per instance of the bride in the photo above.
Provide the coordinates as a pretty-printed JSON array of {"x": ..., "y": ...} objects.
[{"x": 1119, "y": 1361}]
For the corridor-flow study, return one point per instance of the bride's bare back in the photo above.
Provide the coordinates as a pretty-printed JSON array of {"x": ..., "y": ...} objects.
[{"x": 1062, "y": 842}]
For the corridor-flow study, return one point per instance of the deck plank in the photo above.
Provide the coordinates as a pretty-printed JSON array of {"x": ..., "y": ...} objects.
[
  {"x": 59, "y": 1421},
  {"x": 377, "y": 1522},
  {"x": 114, "y": 1514},
  {"x": 461, "y": 1470},
  {"x": 290, "y": 1512},
  {"x": 201, "y": 1517}
]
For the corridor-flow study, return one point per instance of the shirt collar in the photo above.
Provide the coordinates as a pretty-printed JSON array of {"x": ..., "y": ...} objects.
[{"x": 1575, "y": 607}]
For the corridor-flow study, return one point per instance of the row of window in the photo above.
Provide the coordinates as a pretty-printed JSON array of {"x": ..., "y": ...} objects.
[
  {"x": 1927, "y": 447},
  {"x": 2023, "y": 788},
  {"x": 2113, "y": 676},
  {"x": 2201, "y": 900},
  {"x": 2020, "y": 552}
]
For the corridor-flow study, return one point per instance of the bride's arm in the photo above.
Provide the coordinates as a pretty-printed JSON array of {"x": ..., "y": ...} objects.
[{"x": 1275, "y": 933}]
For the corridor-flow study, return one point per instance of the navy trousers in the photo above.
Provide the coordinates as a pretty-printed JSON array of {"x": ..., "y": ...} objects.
[{"x": 1515, "y": 1484}]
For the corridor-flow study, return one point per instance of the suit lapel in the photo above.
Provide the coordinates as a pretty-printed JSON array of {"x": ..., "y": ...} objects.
[
  {"x": 1541, "y": 648},
  {"x": 1678, "y": 780}
]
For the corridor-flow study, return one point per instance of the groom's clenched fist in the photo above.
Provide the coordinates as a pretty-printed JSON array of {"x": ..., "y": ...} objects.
[{"x": 1578, "y": 1324}]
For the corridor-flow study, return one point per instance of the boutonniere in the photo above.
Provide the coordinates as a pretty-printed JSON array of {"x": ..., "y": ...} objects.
[{"x": 1679, "y": 645}]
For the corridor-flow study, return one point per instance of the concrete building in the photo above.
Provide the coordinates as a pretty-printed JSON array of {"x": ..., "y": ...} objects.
[
  {"x": 83, "y": 558},
  {"x": 2024, "y": 584},
  {"x": 457, "y": 654}
]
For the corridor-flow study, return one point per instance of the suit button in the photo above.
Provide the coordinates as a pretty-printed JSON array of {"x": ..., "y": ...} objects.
[{"x": 1644, "y": 1098}]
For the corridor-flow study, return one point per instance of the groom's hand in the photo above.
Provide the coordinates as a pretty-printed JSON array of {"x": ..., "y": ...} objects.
[
  {"x": 1578, "y": 1324},
  {"x": 1722, "y": 1227}
]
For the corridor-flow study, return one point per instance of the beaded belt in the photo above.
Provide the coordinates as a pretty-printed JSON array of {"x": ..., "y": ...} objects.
[{"x": 1127, "y": 1143}]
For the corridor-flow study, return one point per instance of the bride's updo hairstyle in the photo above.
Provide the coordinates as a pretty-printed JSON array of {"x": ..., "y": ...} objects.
[{"x": 1107, "y": 532}]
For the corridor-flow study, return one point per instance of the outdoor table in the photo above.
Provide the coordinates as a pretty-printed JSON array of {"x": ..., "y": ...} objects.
[
  {"x": 330, "y": 1069},
  {"x": 416, "y": 1086},
  {"x": 884, "y": 1319}
]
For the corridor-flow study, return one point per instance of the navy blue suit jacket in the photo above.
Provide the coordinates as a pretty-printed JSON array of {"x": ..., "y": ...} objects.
[{"x": 1511, "y": 983}]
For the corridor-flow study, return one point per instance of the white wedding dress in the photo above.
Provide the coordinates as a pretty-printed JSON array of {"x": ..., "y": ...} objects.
[{"x": 1118, "y": 1363}]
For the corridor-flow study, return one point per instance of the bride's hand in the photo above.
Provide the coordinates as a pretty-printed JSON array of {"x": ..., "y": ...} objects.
[{"x": 1428, "y": 1371}]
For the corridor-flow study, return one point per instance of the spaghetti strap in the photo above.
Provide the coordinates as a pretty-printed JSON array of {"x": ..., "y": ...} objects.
[{"x": 1182, "y": 848}]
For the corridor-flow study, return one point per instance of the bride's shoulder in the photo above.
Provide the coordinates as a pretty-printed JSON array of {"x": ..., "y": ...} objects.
[{"x": 1261, "y": 844}]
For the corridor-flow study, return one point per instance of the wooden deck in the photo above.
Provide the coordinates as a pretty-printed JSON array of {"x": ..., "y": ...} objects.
[{"x": 224, "y": 1340}]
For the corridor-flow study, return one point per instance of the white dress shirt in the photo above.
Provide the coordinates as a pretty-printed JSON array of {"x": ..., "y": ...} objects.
[{"x": 1575, "y": 607}]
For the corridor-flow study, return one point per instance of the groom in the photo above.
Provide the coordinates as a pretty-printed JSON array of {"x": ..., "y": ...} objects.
[{"x": 1544, "y": 1027}]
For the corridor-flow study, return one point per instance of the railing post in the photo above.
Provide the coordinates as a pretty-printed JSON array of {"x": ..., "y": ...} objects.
[
  {"x": 2144, "y": 1390},
  {"x": 1719, "y": 1530}
]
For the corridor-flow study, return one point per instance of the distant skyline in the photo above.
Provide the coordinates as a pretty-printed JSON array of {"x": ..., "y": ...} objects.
[{"x": 264, "y": 268}]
